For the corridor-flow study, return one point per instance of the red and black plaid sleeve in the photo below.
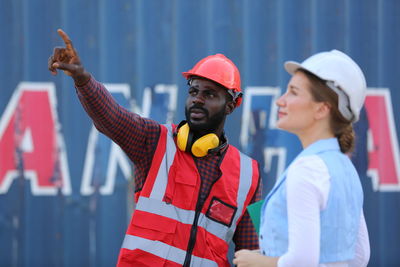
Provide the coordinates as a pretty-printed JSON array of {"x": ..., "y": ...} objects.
[
  {"x": 245, "y": 236},
  {"x": 136, "y": 135}
]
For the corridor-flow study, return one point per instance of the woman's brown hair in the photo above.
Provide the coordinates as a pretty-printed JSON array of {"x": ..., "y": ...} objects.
[{"x": 342, "y": 128}]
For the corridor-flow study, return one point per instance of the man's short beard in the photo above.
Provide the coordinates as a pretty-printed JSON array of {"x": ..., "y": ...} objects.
[{"x": 210, "y": 126}]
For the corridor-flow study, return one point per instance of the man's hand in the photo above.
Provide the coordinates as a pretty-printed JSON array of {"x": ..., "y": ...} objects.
[{"x": 67, "y": 59}]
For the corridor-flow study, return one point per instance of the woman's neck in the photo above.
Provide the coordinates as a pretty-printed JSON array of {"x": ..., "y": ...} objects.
[{"x": 314, "y": 134}]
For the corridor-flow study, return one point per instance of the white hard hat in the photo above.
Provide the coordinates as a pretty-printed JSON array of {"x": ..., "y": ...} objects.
[{"x": 342, "y": 75}]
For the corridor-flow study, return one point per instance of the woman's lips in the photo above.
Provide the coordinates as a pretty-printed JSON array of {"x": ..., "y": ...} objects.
[{"x": 281, "y": 114}]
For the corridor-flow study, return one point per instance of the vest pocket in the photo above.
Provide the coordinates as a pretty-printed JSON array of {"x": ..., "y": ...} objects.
[
  {"x": 152, "y": 239},
  {"x": 184, "y": 193},
  {"x": 217, "y": 248},
  {"x": 140, "y": 257},
  {"x": 153, "y": 227}
]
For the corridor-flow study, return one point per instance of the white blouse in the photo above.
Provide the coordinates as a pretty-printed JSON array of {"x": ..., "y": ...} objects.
[{"x": 307, "y": 189}]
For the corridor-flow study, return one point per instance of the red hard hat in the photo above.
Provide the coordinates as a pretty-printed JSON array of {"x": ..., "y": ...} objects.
[{"x": 220, "y": 69}]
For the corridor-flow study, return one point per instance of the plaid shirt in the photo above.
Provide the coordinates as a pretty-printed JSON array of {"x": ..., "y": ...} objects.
[{"x": 138, "y": 137}]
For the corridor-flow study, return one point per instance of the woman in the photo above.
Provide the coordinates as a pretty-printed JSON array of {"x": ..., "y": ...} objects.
[{"x": 313, "y": 216}]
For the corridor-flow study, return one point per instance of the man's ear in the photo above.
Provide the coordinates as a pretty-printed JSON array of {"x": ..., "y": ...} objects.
[{"x": 229, "y": 107}]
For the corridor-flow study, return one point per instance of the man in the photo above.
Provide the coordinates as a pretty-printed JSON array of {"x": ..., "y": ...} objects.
[{"x": 192, "y": 187}]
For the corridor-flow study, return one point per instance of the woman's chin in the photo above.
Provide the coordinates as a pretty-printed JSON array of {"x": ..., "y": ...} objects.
[{"x": 280, "y": 125}]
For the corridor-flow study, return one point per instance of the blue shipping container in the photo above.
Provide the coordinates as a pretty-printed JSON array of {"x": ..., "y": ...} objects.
[{"x": 66, "y": 190}]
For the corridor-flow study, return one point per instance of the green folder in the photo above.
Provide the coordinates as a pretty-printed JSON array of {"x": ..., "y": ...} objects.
[{"x": 254, "y": 211}]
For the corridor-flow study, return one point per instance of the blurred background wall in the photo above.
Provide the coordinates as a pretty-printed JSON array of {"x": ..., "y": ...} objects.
[{"x": 66, "y": 190}]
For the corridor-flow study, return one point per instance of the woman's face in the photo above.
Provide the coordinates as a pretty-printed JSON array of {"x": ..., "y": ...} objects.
[{"x": 297, "y": 109}]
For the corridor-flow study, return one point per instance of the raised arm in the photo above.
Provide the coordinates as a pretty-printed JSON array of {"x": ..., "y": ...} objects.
[{"x": 137, "y": 136}]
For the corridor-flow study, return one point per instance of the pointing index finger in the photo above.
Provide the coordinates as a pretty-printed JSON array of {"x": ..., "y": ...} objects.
[{"x": 67, "y": 41}]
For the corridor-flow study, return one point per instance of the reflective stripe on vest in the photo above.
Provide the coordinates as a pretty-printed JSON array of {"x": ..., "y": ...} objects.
[
  {"x": 162, "y": 177},
  {"x": 183, "y": 216},
  {"x": 163, "y": 250},
  {"x": 245, "y": 181}
]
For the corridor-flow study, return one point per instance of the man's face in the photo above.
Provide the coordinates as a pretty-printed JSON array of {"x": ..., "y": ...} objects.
[{"x": 207, "y": 106}]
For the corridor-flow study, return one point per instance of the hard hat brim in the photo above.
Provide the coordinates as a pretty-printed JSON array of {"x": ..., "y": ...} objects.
[
  {"x": 292, "y": 66},
  {"x": 187, "y": 75}
]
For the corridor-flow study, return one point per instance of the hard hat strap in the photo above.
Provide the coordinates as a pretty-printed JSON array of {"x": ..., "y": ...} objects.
[
  {"x": 343, "y": 101},
  {"x": 234, "y": 94}
]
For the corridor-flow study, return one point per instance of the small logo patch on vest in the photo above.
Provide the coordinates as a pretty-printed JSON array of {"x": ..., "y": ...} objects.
[{"x": 221, "y": 212}]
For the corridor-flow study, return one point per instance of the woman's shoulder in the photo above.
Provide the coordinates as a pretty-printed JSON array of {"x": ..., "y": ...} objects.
[
  {"x": 309, "y": 163},
  {"x": 309, "y": 169}
]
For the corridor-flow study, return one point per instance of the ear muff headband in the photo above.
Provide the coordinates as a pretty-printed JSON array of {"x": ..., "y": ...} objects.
[{"x": 200, "y": 147}]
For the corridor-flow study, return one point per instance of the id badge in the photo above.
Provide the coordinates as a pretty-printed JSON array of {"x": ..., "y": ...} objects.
[{"x": 221, "y": 212}]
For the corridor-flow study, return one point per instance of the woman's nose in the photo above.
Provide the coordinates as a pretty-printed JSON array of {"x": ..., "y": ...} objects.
[{"x": 280, "y": 101}]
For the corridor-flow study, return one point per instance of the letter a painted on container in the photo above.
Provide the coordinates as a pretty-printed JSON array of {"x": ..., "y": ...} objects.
[
  {"x": 383, "y": 146},
  {"x": 31, "y": 145}
]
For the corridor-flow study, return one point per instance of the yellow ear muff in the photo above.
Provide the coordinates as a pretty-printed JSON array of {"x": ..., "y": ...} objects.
[
  {"x": 182, "y": 137},
  {"x": 200, "y": 147}
]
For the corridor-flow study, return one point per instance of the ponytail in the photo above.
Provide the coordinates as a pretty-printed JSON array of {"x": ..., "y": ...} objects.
[{"x": 346, "y": 139}]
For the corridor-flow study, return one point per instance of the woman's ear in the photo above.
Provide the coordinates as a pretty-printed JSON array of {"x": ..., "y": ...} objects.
[{"x": 322, "y": 110}]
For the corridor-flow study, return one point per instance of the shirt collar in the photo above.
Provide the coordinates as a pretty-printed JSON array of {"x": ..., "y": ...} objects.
[{"x": 321, "y": 145}]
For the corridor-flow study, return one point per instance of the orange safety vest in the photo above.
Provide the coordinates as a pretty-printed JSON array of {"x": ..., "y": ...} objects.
[{"x": 169, "y": 227}]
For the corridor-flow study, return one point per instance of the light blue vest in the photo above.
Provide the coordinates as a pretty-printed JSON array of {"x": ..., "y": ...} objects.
[{"x": 339, "y": 221}]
